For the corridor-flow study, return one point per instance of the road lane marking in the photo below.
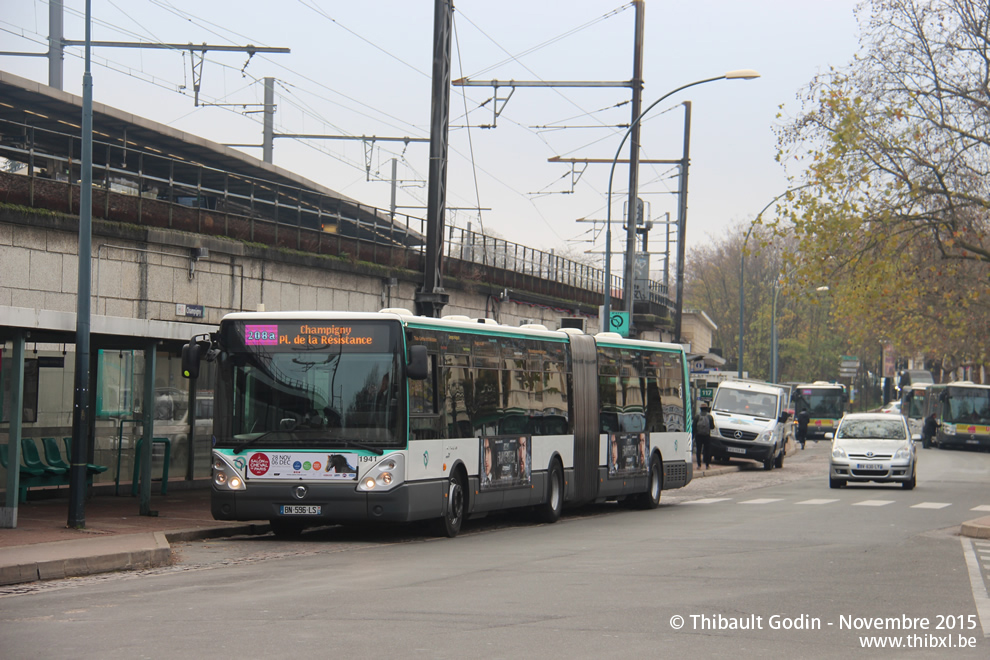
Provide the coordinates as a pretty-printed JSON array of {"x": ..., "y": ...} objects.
[
  {"x": 873, "y": 503},
  {"x": 709, "y": 500},
  {"x": 980, "y": 596},
  {"x": 982, "y": 507},
  {"x": 763, "y": 500},
  {"x": 932, "y": 505},
  {"x": 818, "y": 501}
]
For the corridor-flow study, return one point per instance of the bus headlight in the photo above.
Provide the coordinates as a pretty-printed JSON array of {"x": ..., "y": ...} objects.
[
  {"x": 949, "y": 429},
  {"x": 384, "y": 475},
  {"x": 225, "y": 475}
]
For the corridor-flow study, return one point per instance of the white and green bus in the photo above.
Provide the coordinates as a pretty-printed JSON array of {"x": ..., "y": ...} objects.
[
  {"x": 328, "y": 417},
  {"x": 962, "y": 410}
]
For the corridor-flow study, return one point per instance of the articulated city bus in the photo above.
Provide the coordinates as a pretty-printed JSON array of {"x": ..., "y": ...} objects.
[
  {"x": 325, "y": 417},
  {"x": 962, "y": 410},
  {"x": 825, "y": 403}
]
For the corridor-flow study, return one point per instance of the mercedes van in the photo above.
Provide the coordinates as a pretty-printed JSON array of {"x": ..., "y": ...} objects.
[{"x": 750, "y": 421}]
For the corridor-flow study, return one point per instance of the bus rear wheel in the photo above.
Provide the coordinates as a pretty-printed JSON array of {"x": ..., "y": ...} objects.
[
  {"x": 651, "y": 498},
  {"x": 449, "y": 524},
  {"x": 550, "y": 510}
]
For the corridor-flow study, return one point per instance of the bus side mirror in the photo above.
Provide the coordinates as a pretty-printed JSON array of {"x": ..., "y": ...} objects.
[
  {"x": 418, "y": 367},
  {"x": 190, "y": 360},
  {"x": 192, "y": 354}
]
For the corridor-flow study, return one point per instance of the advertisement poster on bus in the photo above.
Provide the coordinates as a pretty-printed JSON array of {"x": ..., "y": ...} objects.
[
  {"x": 505, "y": 462},
  {"x": 311, "y": 466},
  {"x": 627, "y": 454}
]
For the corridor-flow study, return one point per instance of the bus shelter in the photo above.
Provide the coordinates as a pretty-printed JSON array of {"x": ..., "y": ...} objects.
[{"x": 139, "y": 406}]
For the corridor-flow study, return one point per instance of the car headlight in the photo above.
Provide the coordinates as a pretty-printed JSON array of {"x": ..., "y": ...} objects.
[
  {"x": 839, "y": 452},
  {"x": 903, "y": 453}
]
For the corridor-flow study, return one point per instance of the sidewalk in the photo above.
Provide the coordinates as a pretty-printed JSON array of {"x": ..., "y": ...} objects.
[{"x": 117, "y": 538}]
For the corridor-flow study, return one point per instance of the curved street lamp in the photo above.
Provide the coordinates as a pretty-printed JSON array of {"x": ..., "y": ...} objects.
[
  {"x": 774, "y": 354},
  {"x": 739, "y": 74},
  {"x": 742, "y": 272}
]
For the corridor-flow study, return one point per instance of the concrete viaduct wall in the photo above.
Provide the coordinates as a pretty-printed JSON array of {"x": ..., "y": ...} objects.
[{"x": 155, "y": 274}]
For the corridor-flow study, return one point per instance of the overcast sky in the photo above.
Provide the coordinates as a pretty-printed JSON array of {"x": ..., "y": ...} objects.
[{"x": 363, "y": 68}]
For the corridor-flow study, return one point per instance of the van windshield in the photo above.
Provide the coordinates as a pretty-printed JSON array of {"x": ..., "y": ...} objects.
[{"x": 745, "y": 402}]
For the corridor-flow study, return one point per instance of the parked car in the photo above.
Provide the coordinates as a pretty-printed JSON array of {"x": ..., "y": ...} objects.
[{"x": 872, "y": 447}]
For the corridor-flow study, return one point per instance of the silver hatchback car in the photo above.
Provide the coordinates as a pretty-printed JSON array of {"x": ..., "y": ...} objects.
[{"x": 872, "y": 447}]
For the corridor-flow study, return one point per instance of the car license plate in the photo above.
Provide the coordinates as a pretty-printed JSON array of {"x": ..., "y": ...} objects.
[
  {"x": 300, "y": 510},
  {"x": 870, "y": 466},
  {"x": 736, "y": 450}
]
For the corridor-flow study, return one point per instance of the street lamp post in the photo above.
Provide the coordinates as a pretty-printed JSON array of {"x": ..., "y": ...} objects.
[
  {"x": 742, "y": 271},
  {"x": 741, "y": 74},
  {"x": 774, "y": 359}
]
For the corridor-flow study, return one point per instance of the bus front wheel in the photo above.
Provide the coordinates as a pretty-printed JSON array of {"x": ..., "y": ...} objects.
[{"x": 449, "y": 524}]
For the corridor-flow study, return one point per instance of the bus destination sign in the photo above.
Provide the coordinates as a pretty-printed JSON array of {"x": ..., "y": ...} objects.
[{"x": 290, "y": 335}]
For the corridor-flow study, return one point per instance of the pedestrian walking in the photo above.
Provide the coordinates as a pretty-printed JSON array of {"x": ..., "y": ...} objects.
[
  {"x": 803, "y": 418},
  {"x": 702, "y": 435},
  {"x": 928, "y": 431}
]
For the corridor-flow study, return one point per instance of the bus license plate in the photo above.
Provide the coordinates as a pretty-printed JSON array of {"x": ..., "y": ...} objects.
[
  {"x": 300, "y": 510},
  {"x": 736, "y": 450},
  {"x": 869, "y": 466}
]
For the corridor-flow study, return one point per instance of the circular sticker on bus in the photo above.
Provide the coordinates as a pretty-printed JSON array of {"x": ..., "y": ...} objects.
[{"x": 259, "y": 464}]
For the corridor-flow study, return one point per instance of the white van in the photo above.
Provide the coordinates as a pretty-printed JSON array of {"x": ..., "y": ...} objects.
[{"x": 750, "y": 421}]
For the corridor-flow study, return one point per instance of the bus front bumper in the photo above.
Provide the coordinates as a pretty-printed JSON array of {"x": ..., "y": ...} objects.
[{"x": 337, "y": 502}]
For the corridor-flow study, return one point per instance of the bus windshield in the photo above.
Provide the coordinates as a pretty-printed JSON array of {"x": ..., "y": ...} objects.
[
  {"x": 967, "y": 406},
  {"x": 826, "y": 403},
  {"x": 310, "y": 385}
]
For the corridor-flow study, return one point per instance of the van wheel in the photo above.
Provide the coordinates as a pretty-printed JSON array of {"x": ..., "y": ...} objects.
[
  {"x": 780, "y": 460},
  {"x": 768, "y": 464},
  {"x": 549, "y": 511}
]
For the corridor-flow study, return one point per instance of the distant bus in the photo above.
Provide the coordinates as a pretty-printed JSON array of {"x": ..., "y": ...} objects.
[
  {"x": 913, "y": 402},
  {"x": 327, "y": 417},
  {"x": 963, "y": 412},
  {"x": 825, "y": 403}
]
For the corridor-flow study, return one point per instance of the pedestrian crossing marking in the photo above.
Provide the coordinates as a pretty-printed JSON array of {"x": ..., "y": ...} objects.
[{"x": 823, "y": 501}]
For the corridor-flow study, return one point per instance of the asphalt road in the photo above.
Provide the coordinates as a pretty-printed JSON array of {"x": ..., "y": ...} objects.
[{"x": 743, "y": 565}]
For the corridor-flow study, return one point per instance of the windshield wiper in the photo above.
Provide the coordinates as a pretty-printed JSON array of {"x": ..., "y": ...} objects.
[
  {"x": 241, "y": 447},
  {"x": 347, "y": 443},
  {"x": 360, "y": 445}
]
